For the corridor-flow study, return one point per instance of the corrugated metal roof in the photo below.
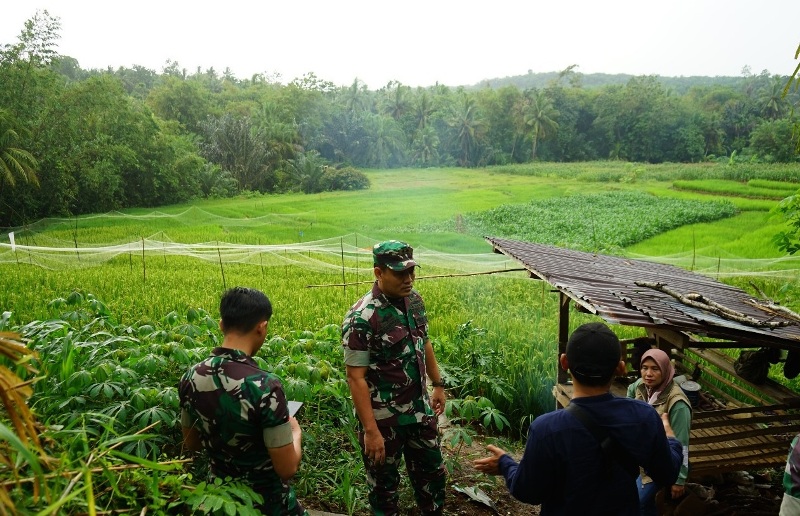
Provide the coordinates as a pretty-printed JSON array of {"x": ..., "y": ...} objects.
[{"x": 606, "y": 285}]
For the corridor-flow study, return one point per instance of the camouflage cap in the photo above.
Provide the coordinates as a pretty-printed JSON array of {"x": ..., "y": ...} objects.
[{"x": 394, "y": 254}]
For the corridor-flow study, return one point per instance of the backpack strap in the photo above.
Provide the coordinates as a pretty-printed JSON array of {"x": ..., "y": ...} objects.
[{"x": 608, "y": 446}]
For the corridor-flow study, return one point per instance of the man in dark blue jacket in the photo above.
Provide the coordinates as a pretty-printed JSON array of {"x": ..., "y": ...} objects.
[{"x": 564, "y": 468}]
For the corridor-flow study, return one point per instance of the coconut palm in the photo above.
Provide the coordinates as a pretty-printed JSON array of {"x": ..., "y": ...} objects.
[
  {"x": 426, "y": 147},
  {"x": 468, "y": 128},
  {"x": 539, "y": 117},
  {"x": 386, "y": 141},
  {"x": 395, "y": 101},
  {"x": 771, "y": 101},
  {"x": 356, "y": 98},
  {"x": 423, "y": 109},
  {"x": 14, "y": 160}
]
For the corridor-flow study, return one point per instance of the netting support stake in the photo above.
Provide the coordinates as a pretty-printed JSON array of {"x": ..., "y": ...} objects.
[
  {"x": 75, "y": 238},
  {"x": 344, "y": 279},
  {"x": 222, "y": 270}
]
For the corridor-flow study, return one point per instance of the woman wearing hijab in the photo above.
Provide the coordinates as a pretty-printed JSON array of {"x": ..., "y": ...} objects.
[{"x": 657, "y": 388}]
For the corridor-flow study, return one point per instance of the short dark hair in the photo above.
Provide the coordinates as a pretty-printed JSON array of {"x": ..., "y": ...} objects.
[
  {"x": 593, "y": 353},
  {"x": 241, "y": 308}
]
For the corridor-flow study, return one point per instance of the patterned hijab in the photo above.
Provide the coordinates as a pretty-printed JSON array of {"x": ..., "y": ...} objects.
[{"x": 667, "y": 372}]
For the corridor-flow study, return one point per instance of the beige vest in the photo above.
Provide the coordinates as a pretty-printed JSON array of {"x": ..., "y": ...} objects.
[
  {"x": 666, "y": 399},
  {"x": 663, "y": 404}
]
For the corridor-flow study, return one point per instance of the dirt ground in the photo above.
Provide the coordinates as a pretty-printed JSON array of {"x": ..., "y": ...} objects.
[{"x": 731, "y": 494}]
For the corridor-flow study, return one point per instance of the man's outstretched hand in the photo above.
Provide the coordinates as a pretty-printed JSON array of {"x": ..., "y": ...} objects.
[{"x": 491, "y": 464}]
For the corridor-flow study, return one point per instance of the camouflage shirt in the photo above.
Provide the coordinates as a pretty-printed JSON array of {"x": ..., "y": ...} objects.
[
  {"x": 390, "y": 342},
  {"x": 791, "y": 473},
  {"x": 239, "y": 410}
]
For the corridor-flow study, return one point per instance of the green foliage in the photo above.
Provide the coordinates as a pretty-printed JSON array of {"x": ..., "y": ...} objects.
[
  {"x": 597, "y": 222},
  {"x": 457, "y": 437},
  {"x": 476, "y": 410},
  {"x": 106, "y": 385},
  {"x": 775, "y": 190},
  {"x": 499, "y": 364},
  {"x": 774, "y": 185},
  {"x": 240, "y": 150},
  {"x": 789, "y": 241},
  {"x": 110, "y": 139},
  {"x": 775, "y": 140},
  {"x": 306, "y": 172},
  {"x": 471, "y": 365},
  {"x": 347, "y": 178},
  {"x": 14, "y": 161},
  {"x": 220, "y": 497}
]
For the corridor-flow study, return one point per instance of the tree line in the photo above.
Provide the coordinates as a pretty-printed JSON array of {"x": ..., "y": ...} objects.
[{"x": 76, "y": 141}]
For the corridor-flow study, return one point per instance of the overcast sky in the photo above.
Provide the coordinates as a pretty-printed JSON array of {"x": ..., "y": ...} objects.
[{"x": 421, "y": 42}]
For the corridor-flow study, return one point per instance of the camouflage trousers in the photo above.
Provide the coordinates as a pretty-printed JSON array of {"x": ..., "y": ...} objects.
[
  {"x": 280, "y": 504},
  {"x": 419, "y": 444}
]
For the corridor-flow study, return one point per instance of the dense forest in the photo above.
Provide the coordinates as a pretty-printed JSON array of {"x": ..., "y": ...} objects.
[{"x": 76, "y": 141}]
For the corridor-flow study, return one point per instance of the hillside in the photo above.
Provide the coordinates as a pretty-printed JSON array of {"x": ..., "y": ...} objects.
[{"x": 598, "y": 80}]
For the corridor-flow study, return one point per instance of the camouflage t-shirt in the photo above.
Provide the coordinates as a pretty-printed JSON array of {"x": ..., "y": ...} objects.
[
  {"x": 240, "y": 410},
  {"x": 390, "y": 342},
  {"x": 791, "y": 474}
]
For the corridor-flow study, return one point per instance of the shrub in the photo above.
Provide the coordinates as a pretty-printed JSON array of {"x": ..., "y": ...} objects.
[{"x": 347, "y": 178}]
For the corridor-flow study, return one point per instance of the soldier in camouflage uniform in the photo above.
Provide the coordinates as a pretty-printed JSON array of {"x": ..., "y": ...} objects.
[
  {"x": 238, "y": 412},
  {"x": 388, "y": 356}
]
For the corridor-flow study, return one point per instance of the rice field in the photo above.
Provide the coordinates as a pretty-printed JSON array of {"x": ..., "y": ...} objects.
[{"x": 118, "y": 305}]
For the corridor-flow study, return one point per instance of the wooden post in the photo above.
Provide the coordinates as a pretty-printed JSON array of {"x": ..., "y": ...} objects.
[{"x": 563, "y": 334}]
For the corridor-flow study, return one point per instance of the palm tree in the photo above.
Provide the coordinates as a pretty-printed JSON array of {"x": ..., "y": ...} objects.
[
  {"x": 772, "y": 101},
  {"x": 306, "y": 171},
  {"x": 386, "y": 141},
  {"x": 423, "y": 109},
  {"x": 395, "y": 102},
  {"x": 14, "y": 161},
  {"x": 236, "y": 146},
  {"x": 518, "y": 111},
  {"x": 426, "y": 147},
  {"x": 356, "y": 98},
  {"x": 539, "y": 117},
  {"x": 468, "y": 129}
]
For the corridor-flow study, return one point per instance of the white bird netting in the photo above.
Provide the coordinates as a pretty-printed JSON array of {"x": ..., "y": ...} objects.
[{"x": 56, "y": 244}]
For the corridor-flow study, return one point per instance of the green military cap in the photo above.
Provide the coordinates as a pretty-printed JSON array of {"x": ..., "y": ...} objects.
[{"x": 394, "y": 254}]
